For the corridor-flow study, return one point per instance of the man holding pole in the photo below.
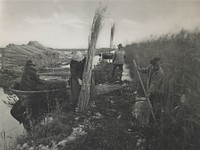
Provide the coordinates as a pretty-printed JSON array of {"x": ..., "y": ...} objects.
[{"x": 154, "y": 84}]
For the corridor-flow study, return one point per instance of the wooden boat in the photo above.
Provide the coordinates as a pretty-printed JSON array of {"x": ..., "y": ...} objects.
[
  {"x": 37, "y": 103},
  {"x": 43, "y": 100},
  {"x": 28, "y": 94},
  {"x": 31, "y": 95}
]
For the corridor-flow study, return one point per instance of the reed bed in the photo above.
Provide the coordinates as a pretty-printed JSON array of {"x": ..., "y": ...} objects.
[{"x": 180, "y": 55}]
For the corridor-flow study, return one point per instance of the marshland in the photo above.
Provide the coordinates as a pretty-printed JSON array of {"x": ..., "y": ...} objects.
[{"x": 109, "y": 120}]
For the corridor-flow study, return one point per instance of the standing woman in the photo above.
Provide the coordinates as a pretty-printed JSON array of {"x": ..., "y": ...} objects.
[{"x": 76, "y": 68}]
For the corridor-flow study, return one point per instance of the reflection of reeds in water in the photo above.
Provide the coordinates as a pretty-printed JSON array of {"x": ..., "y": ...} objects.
[{"x": 8, "y": 139}]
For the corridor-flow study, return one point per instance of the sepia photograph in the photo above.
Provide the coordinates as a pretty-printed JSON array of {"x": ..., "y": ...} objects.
[{"x": 99, "y": 74}]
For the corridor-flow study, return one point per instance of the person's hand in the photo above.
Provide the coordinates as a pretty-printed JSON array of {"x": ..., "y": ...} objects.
[
  {"x": 138, "y": 68},
  {"x": 148, "y": 94},
  {"x": 80, "y": 81}
]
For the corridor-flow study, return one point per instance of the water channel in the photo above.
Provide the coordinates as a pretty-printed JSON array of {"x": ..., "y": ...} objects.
[{"x": 9, "y": 127}]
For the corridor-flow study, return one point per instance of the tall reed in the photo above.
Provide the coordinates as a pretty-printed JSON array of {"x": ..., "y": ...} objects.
[{"x": 180, "y": 55}]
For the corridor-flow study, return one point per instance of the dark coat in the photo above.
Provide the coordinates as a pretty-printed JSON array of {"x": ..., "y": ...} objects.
[
  {"x": 30, "y": 80},
  {"x": 119, "y": 57},
  {"x": 76, "y": 69},
  {"x": 155, "y": 79}
]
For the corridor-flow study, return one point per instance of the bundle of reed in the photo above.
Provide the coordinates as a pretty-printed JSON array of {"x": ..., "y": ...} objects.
[
  {"x": 112, "y": 35},
  {"x": 84, "y": 96}
]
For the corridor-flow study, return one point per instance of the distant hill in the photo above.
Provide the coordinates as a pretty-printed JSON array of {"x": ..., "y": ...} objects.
[
  {"x": 16, "y": 55},
  {"x": 70, "y": 49},
  {"x": 98, "y": 51}
]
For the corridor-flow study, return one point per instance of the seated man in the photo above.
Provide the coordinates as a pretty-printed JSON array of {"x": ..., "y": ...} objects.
[
  {"x": 33, "y": 107},
  {"x": 30, "y": 81}
]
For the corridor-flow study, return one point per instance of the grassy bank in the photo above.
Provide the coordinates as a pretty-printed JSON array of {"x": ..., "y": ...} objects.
[{"x": 109, "y": 123}]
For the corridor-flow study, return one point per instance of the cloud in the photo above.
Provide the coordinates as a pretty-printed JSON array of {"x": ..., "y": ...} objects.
[
  {"x": 57, "y": 20},
  {"x": 58, "y": 23}
]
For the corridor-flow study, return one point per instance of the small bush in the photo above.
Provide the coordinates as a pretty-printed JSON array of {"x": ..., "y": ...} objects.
[{"x": 103, "y": 73}]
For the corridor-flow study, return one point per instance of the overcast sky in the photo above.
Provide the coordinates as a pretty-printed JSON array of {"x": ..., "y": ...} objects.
[{"x": 66, "y": 24}]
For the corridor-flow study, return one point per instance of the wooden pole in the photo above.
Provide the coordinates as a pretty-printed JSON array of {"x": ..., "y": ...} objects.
[{"x": 145, "y": 92}]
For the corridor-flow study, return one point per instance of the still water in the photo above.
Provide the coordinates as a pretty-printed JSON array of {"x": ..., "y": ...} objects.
[{"x": 9, "y": 127}]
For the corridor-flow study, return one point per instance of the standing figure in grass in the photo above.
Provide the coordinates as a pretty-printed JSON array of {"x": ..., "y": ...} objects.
[
  {"x": 154, "y": 85},
  {"x": 76, "y": 68},
  {"x": 118, "y": 60}
]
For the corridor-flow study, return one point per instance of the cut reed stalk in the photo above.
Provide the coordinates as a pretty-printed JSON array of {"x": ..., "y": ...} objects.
[{"x": 84, "y": 96}]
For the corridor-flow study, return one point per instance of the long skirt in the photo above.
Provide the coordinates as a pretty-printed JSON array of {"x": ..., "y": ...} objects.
[{"x": 75, "y": 89}]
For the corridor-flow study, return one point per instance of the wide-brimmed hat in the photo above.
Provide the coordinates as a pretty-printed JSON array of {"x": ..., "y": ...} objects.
[
  {"x": 154, "y": 60},
  {"x": 78, "y": 56},
  {"x": 120, "y": 45},
  {"x": 29, "y": 63}
]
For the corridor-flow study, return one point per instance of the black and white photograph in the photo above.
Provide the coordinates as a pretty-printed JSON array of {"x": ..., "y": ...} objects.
[{"x": 99, "y": 74}]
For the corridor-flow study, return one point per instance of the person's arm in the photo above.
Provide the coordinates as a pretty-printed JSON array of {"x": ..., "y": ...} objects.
[
  {"x": 36, "y": 77},
  {"x": 80, "y": 67},
  {"x": 73, "y": 70},
  {"x": 143, "y": 70},
  {"x": 81, "y": 70}
]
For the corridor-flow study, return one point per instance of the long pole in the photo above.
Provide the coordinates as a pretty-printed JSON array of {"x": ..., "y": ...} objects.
[{"x": 145, "y": 92}]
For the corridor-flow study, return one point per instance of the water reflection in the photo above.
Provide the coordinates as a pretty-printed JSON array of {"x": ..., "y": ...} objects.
[{"x": 9, "y": 127}]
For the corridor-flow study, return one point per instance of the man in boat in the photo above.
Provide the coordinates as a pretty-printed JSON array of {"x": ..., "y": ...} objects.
[
  {"x": 30, "y": 81},
  {"x": 33, "y": 106},
  {"x": 118, "y": 60},
  {"x": 154, "y": 85}
]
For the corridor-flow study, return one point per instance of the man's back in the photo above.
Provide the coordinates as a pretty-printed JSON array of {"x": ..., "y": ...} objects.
[{"x": 119, "y": 57}]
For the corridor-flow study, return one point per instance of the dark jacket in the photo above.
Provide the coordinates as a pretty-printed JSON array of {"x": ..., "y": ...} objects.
[
  {"x": 30, "y": 80},
  {"x": 77, "y": 69},
  {"x": 154, "y": 79},
  {"x": 119, "y": 57}
]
